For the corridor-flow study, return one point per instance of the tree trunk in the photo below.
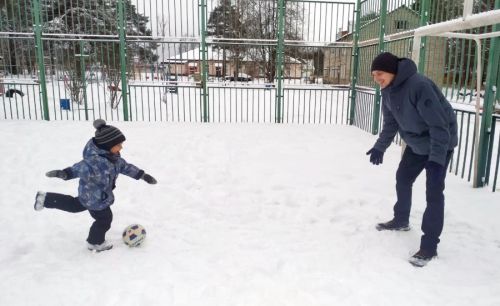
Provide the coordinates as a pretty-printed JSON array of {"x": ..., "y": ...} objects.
[{"x": 13, "y": 61}]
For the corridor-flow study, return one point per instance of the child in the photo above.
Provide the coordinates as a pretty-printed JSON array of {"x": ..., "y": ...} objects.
[{"x": 97, "y": 171}]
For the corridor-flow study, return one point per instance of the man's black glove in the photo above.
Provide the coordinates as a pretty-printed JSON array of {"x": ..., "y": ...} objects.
[
  {"x": 376, "y": 156},
  {"x": 57, "y": 173},
  {"x": 148, "y": 178},
  {"x": 435, "y": 171}
]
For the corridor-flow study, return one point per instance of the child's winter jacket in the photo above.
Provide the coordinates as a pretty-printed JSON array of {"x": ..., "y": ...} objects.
[{"x": 98, "y": 172}]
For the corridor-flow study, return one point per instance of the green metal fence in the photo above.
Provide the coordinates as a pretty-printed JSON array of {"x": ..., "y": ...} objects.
[
  {"x": 283, "y": 61},
  {"x": 494, "y": 154},
  {"x": 119, "y": 60},
  {"x": 450, "y": 62}
]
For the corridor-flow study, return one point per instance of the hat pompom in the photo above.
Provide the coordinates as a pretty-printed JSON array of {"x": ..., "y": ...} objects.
[{"x": 99, "y": 123}]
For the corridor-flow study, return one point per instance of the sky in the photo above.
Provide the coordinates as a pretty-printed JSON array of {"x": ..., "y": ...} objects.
[
  {"x": 243, "y": 214},
  {"x": 181, "y": 17}
]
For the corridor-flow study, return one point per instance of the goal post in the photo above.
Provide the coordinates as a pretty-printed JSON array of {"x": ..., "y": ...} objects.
[{"x": 483, "y": 119}]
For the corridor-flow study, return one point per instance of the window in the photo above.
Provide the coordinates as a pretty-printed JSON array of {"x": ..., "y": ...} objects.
[
  {"x": 401, "y": 24},
  {"x": 193, "y": 67}
]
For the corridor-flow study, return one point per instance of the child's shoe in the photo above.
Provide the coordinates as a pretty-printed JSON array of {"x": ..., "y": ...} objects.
[
  {"x": 40, "y": 200},
  {"x": 100, "y": 247}
]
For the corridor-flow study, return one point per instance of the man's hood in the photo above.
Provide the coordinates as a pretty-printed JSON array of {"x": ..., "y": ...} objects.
[{"x": 406, "y": 68}]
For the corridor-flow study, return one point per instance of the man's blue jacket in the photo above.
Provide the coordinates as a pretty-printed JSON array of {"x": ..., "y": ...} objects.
[{"x": 416, "y": 108}]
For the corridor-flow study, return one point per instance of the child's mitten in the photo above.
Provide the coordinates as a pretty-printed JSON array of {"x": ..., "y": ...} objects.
[
  {"x": 148, "y": 178},
  {"x": 57, "y": 173}
]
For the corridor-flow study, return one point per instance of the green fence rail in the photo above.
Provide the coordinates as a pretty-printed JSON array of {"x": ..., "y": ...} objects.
[{"x": 494, "y": 154}]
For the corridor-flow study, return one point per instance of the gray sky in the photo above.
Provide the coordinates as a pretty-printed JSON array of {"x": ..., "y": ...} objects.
[{"x": 180, "y": 17}]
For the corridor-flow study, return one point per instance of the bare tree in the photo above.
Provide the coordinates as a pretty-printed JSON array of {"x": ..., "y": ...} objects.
[
  {"x": 113, "y": 78},
  {"x": 254, "y": 19},
  {"x": 260, "y": 20}
]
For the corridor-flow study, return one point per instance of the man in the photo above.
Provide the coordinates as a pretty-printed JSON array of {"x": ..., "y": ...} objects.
[{"x": 415, "y": 107}]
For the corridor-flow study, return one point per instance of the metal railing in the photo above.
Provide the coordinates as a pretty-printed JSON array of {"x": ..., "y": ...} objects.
[
  {"x": 256, "y": 61},
  {"x": 494, "y": 154},
  {"x": 461, "y": 163},
  {"x": 91, "y": 53}
]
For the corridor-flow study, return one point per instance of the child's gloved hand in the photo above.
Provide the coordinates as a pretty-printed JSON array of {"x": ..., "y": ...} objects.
[
  {"x": 57, "y": 173},
  {"x": 148, "y": 178}
]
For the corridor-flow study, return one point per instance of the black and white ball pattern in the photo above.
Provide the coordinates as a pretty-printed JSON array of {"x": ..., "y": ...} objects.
[{"x": 134, "y": 235}]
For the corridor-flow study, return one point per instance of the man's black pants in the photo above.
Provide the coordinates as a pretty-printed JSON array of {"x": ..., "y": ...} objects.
[
  {"x": 410, "y": 167},
  {"x": 103, "y": 218}
]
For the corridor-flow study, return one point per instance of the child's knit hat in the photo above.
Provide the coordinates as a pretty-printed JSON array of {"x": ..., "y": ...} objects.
[
  {"x": 387, "y": 62},
  {"x": 107, "y": 136}
]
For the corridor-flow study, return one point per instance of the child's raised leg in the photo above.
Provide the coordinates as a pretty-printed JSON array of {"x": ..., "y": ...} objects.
[{"x": 58, "y": 201}]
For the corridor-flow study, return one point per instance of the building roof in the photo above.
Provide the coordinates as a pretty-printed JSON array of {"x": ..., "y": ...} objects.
[
  {"x": 403, "y": 7},
  {"x": 215, "y": 54}
]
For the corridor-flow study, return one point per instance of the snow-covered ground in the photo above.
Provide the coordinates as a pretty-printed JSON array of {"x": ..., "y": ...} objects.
[{"x": 242, "y": 215}]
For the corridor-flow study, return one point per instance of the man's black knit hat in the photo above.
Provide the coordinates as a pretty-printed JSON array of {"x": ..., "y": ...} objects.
[
  {"x": 107, "y": 136},
  {"x": 387, "y": 62}
]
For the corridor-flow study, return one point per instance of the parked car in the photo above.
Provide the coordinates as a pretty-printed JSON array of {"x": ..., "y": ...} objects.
[
  {"x": 171, "y": 84},
  {"x": 242, "y": 77}
]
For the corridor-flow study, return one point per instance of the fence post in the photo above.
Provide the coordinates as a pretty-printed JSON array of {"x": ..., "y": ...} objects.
[
  {"x": 82, "y": 57},
  {"x": 355, "y": 64},
  {"x": 123, "y": 57},
  {"x": 381, "y": 48},
  {"x": 204, "y": 64},
  {"x": 39, "y": 58},
  {"x": 424, "y": 20},
  {"x": 490, "y": 94},
  {"x": 279, "y": 61}
]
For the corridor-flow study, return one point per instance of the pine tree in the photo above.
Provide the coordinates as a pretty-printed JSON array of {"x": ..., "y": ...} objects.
[
  {"x": 93, "y": 17},
  {"x": 225, "y": 22}
]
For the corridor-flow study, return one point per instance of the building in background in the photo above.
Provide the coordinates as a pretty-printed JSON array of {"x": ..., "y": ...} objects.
[{"x": 338, "y": 61}]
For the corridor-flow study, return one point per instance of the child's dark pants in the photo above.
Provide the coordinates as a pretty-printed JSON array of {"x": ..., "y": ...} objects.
[
  {"x": 410, "y": 167},
  {"x": 71, "y": 204}
]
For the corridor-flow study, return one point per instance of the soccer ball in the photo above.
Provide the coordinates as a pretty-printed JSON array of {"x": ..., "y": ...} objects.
[{"x": 133, "y": 235}]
